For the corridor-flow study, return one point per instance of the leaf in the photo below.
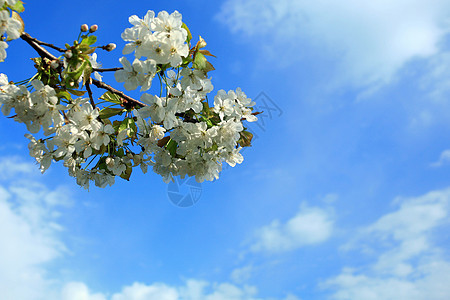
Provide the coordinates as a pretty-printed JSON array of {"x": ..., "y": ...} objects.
[
  {"x": 90, "y": 50},
  {"x": 110, "y": 97},
  {"x": 128, "y": 123},
  {"x": 172, "y": 147},
  {"x": 189, "y": 35},
  {"x": 209, "y": 67},
  {"x": 64, "y": 94},
  {"x": 87, "y": 74},
  {"x": 109, "y": 112},
  {"x": 200, "y": 61},
  {"x": 206, "y": 52},
  {"x": 18, "y": 7},
  {"x": 162, "y": 142},
  {"x": 17, "y": 17},
  {"x": 89, "y": 40},
  {"x": 127, "y": 173},
  {"x": 246, "y": 139},
  {"x": 76, "y": 92}
]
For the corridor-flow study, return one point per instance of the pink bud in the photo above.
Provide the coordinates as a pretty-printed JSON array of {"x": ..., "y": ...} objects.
[
  {"x": 84, "y": 28},
  {"x": 93, "y": 28},
  {"x": 110, "y": 47}
]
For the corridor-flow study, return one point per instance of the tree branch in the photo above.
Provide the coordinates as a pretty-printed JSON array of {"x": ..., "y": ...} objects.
[
  {"x": 45, "y": 54},
  {"x": 106, "y": 70}
]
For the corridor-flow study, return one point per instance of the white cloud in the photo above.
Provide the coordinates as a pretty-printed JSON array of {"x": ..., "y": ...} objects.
[
  {"x": 370, "y": 41},
  {"x": 444, "y": 158},
  {"x": 29, "y": 232},
  {"x": 30, "y": 239},
  {"x": 309, "y": 226},
  {"x": 79, "y": 291},
  {"x": 241, "y": 275},
  {"x": 407, "y": 265}
]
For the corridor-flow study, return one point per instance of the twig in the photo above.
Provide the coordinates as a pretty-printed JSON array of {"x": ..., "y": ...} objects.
[
  {"x": 102, "y": 85},
  {"x": 46, "y": 44},
  {"x": 45, "y": 54},
  {"x": 106, "y": 70},
  {"x": 88, "y": 89}
]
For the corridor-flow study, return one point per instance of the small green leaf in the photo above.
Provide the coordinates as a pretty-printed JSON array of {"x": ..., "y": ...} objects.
[
  {"x": 64, "y": 94},
  {"x": 110, "y": 97},
  {"x": 76, "y": 92},
  {"x": 18, "y": 7},
  {"x": 89, "y": 40},
  {"x": 110, "y": 112},
  {"x": 128, "y": 123},
  {"x": 127, "y": 173},
  {"x": 200, "y": 61},
  {"x": 172, "y": 147}
]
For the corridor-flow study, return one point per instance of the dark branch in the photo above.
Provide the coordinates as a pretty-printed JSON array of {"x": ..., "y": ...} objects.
[
  {"x": 88, "y": 89},
  {"x": 106, "y": 70},
  {"x": 45, "y": 44},
  {"x": 102, "y": 85},
  {"x": 45, "y": 54}
]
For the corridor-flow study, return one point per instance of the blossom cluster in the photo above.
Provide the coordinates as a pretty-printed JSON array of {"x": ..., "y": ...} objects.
[
  {"x": 10, "y": 24},
  {"x": 178, "y": 132}
]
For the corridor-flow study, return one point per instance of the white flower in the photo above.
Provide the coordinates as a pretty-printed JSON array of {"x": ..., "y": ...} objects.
[
  {"x": 86, "y": 118},
  {"x": 3, "y": 80},
  {"x": 157, "y": 50},
  {"x": 101, "y": 137},
  {"x": 137, "y": 38},
  {"x": 131, "y": 74},
  {"x": 143, "y": 24},
  {"x": 222, "y": 105},
  {"x": 3, "y": 47},
  {"x": 154, "y": 109},
  {"x": 96, "y": 65},
  {"x": 11, "y": 26},
  {"x": 149, "y": 72}
]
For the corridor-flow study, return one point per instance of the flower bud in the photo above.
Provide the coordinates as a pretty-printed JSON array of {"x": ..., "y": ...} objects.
[
  {"x": 84, "y": 28},
  {"x": 110, "y": 47},
  {"x": 93, "y": 28},
  {"x": 68, "y": 54},
  {"x": 110, "y": 162},
  {"x": 54, "y": 64}
]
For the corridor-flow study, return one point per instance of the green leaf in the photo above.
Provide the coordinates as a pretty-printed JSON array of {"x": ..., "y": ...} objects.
[
  {"x": 128, "y": 123},
  {"x": 110, "y": 97},
  {"x": 89, "y": 40},
  {"x": 87, "y": 74},
  {"x": 75, "y": 75},
  {"x": 200, "y": 61},
  {"x": 18, "y": 7},
  {"x": 110, "y": 112},
  {"x": 172, "y": 147},
  {"x": 127, "y": 174},
  {"x": 76, "y": 92},
  {"x": 64, "y": 94},
  {"x": 246, "y": 139},
  {"x": 189, "y": 35}
]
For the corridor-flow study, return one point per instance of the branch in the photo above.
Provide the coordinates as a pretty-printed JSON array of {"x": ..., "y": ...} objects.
[
  {"x": 45, "y": 54},
  {"x": 44, "y": 43},
  {"x": 40, "y": 50},
  {"x": 106, "y": 70},
  {"x": 88, "y": 89},
  {"x": 102, "y": 85}
]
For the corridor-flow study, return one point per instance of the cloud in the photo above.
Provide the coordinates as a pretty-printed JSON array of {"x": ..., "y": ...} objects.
[
  {"x": 407, "y": 264},
  {"x": 79, "y": 291},
  {"x": 369, "y": 42},
  {"x": 444, "y": 158},
  {"x": 29, "y": 232},
  {"x": 309, "y": 226}
]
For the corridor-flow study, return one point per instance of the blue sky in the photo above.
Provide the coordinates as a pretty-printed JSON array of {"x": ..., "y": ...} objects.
[{"x": 344, "y": 195}]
